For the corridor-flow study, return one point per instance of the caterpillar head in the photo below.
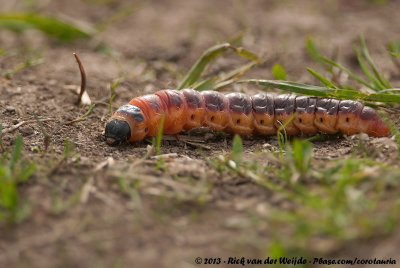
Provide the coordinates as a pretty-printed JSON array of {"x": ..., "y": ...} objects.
[{"x": 126, "y": 124}]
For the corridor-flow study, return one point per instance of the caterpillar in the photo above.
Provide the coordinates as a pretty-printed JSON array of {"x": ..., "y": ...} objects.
[{"x": 240, "y": 114}]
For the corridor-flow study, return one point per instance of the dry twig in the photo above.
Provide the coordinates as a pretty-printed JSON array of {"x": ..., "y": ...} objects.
[{"x": 83, "y": 78}]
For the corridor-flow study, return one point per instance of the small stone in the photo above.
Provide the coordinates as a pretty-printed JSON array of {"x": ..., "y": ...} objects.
[
  {"x": 209, "y": 136},
  {"x": 363, "y": 136},
  {"x": 268, "y": 147},
  {"x": 26, "y": 131},
  {"x": 10, "y": 109},
  {"x": 52, "y": 82},
  {"x": 262, "y": 209},
  {"x": 31, "y": 78},
  {"x": 221, "y": 158},
  {"x": 232, "y": 164},
  {"x": 149, "y": 88}
]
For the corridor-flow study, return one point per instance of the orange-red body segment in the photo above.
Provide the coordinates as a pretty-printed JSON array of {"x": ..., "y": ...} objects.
[{"x": 239, "y": 114}]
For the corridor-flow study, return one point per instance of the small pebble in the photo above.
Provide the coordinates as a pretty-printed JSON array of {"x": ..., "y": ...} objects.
[
  {"x": 269, "y": 147},
  {"x": 10, "y": 109},
  {"x": 363, "y": 136},
  {"x": 232, "y": 164},
  {"x": 209, "y": 136},
  {"x": 31, "y": 78},
  {"x": 26, "y": 131},
  {"x": 52, "y": 82}
]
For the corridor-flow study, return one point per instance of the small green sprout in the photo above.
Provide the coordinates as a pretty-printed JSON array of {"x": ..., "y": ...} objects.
[
  {"x": 278, "y": 72},
  {"x": 12, "y": 173}
]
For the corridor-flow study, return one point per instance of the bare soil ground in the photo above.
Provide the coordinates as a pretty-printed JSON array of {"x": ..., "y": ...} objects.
[{"x": 80, "y": 214}]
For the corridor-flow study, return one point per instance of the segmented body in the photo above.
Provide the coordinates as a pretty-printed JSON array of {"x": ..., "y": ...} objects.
[{"x": 240, "y": 114}]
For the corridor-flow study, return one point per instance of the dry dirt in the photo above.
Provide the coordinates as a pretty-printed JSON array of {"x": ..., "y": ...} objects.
[{"x": 150, "y": 49}]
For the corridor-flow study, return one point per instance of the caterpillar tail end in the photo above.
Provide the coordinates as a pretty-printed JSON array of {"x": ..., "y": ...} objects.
[
  {"x": 117, "y": 132},
  {"x": 372, "y": 124},
  {"x": 379, "y": 129}
]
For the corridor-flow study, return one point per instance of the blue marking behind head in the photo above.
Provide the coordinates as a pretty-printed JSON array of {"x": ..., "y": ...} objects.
[{"x": 133, "y": 111}]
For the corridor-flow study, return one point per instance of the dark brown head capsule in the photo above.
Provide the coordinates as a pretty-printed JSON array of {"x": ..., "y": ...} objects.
[
  {"x": 126, "y": 120},
  {"x": 117, "y": 132}
]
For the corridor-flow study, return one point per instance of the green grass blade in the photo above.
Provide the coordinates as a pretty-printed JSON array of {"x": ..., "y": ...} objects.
[
  {"x": 160, "y": 135},
  {"x": 395, "y": 54},
  {"x": 282, "y": 137},
  {"x": 208, "y": 56},
  {"x": 223, "y": 84},
  {"x": 113, "y": 95},
  {"x": 113, "y": 87},
  {"x": 237, "y": 148},
  {"x": 205, "y": 84},
  {"x": 302, "y": 155},
  {"x": 232, "y": 76},
  {"x": 323, "y": 80},
  {"x": 1, "y": 141},
  {"x": 15, "y": 26},
  {"x": 317, "y": 91},
  {"x": 9, "y": 195},
  {"x": 349, "y": 88},
  {"x": 62, "y": 31},
  {"x": 367, "y": 56},
  {"x": 312, "y": 50},
  {"x": 27, "y": 172},
  {"x": 378, "y": 85},
  {"x": 198, "y": 68},
  {"x": 278, "y": 72},
  {"x": 386, "y": 98},
  {"x": 67, "y": 148},
  {"x": 110, "y": 104},
  {"x": 83, "y": 118},
  {"x": 46, "y": 135},
  {"x": 216, "y": 83},
  {"x": 393, "y": 90},
  {"x": 16, "y": 153},
  {"x": 308, "y": 90},
  {"x": 237, "y": 40},
  {"x": 394, "y": 47},
  {"x": 238, "y": 72},
  {"x": 314, "y": 53},
  {"x": 359, "y": 80},
  {"x": 245, "y": 53}
]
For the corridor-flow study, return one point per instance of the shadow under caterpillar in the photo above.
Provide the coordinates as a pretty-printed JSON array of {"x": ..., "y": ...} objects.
[{"x": 240, "y": 114}]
